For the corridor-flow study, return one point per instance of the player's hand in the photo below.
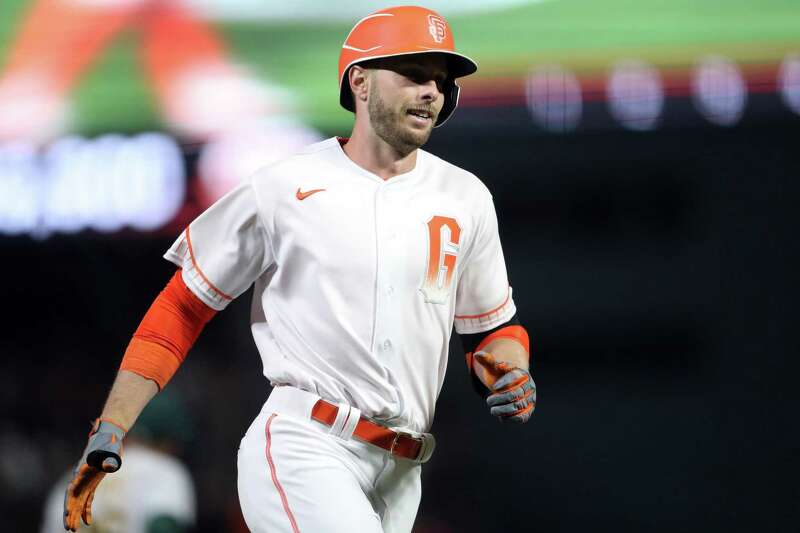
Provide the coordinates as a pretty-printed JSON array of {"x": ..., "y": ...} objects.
[
  {"x": 513, "y": 392},
  {"x": 103, "y": 454}
]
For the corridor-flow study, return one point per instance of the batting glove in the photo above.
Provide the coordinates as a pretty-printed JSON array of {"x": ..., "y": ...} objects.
[
  {"x": 103, "y": 454},
  {"x": 513, "y": 392}
]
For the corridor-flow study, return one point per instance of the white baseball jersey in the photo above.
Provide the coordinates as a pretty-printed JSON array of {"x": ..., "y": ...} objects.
[
  {"x": 150, "y": 485},
  {"x": 358, "y": 280}
]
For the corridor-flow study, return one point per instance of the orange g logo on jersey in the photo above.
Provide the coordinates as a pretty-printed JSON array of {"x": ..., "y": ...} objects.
[
  {"x": 444, "y": 234},
  {"x": 437, "y": 28}
]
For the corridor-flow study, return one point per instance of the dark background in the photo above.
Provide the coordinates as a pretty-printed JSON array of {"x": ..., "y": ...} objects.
[{"x": 656, "y": 273}]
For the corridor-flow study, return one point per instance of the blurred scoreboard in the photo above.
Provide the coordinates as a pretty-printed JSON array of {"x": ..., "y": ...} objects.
[{"x": 103, "y": 184}]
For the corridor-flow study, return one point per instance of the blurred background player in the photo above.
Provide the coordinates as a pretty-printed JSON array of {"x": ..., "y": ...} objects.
[{"x": 155, "y": 492}]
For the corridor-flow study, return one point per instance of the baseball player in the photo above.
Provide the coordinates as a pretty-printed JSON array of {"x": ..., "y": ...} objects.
[{"x": 365, "y": 252}]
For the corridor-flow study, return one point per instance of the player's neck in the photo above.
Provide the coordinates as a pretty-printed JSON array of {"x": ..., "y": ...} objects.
[{"x": 372, "y": 153}]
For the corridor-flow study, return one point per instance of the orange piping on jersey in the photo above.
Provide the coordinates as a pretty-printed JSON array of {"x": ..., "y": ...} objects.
[
  {"x": 274, "y": 476},
  {"x": 197, "y": 267},
  {"x": 167, "y": 332},
  {"x": 487, "y": 313}
]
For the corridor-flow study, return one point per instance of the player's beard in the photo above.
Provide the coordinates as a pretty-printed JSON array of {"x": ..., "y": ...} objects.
[{"x": 388, "y": 124}]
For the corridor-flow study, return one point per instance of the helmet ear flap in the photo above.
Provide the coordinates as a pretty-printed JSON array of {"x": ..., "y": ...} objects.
[{"x": 451, "y": 93}]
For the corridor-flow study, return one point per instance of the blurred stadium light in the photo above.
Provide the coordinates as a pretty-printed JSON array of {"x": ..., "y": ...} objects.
[
  {"x": 790, "y": 82},
  {"x": 554, "y": 98},
  {"x": 719, "y": 90},
  {"x": 635, "y": 95}
]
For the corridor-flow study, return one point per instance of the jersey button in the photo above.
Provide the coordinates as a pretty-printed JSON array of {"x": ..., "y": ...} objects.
[
  {"x": 387, "y": 344},
  {"x": 390, "y": 290}
]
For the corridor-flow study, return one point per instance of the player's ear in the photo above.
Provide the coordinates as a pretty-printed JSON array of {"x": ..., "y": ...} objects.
[{"x": 359, "y": 79}]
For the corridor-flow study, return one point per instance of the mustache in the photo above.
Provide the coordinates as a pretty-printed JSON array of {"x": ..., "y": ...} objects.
[{"x": 422, "y": 109}]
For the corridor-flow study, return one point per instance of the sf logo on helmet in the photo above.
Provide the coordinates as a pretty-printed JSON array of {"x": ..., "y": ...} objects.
[{"x": 436, "y": 27}]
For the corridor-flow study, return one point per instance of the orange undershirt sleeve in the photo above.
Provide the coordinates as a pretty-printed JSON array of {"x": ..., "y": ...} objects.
[{"x": 167, "y": 332}]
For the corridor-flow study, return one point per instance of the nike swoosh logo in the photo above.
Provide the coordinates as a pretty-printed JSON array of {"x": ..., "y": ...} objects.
[{"x": 303, "y": 195}]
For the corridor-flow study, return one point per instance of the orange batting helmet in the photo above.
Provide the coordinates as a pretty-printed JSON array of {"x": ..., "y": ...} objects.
[{"x": 403, "y": 30}]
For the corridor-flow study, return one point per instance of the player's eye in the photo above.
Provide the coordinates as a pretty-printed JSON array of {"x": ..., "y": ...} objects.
[
  {"x": 418, "y": 76},
  {"x": 415, "y": 75}
]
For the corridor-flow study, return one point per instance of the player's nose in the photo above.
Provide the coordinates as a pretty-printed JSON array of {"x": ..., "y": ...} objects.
[{"x": 429, "y": 91}]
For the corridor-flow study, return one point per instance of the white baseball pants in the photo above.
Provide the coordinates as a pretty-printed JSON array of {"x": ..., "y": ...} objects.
[{"x": 296, "y": 475}]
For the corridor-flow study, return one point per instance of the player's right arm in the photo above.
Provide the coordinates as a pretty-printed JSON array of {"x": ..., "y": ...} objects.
[
  {"x": 129, "y": 395},
  {"x": 218, "y": 256},
  {"x": 158, "y": 347}
]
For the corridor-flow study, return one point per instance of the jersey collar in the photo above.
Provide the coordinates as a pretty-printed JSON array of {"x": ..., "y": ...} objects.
[{"x": 349, "y": 163}]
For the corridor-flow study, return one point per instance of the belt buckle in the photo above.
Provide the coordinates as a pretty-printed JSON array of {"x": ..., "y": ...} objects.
[{"x": 426, "y": 445}]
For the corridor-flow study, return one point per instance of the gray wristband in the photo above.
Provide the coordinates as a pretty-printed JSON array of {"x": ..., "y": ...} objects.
[{"x": 104, "y": 449}]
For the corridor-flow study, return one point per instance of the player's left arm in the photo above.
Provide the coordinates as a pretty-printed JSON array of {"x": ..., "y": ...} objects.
[{"x": 499, "y": 364}]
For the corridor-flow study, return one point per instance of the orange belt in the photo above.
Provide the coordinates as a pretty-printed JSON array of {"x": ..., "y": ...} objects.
[{"x": 395, "y": 442}]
